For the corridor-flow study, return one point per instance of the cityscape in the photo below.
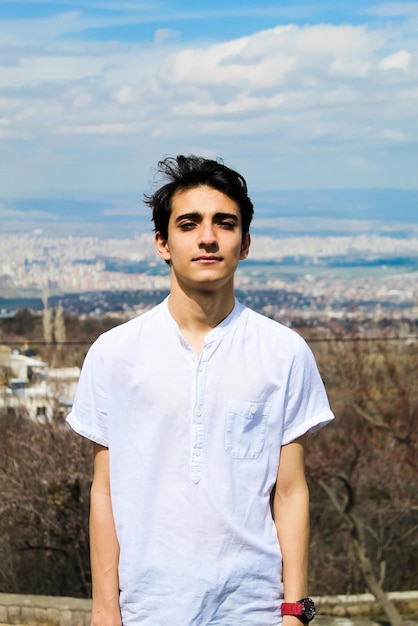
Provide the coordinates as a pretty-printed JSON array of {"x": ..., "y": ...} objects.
[{"x": 328, "y": 277}]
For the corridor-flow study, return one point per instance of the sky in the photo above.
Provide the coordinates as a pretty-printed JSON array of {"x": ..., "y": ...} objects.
[{"x": 305, "y": 99}]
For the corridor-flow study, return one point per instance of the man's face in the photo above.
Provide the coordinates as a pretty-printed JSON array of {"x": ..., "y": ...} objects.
[{"x": 205, "y": 242}]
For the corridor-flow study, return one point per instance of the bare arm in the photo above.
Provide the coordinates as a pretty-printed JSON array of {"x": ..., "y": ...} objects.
[
  {"x": 291, "y": 516},
  {"x": 104, "y": 546}
]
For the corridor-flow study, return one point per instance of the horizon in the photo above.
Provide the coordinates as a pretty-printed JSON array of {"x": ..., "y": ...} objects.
[{"x": 281, "y": 213}]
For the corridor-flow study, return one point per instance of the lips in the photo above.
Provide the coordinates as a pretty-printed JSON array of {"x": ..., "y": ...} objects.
[{"x": 210, "y": 258}]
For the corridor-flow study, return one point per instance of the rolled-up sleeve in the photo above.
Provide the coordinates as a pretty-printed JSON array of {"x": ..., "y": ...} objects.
[
  {"x": 307, "y": 406},
  {"x": 88, "y": 416}
]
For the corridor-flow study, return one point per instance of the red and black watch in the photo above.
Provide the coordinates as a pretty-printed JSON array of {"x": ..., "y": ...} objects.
[{"x": 302, "y": 609}]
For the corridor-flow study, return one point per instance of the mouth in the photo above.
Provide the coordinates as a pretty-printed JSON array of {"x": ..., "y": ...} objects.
[{"x": 208, "y": 258}]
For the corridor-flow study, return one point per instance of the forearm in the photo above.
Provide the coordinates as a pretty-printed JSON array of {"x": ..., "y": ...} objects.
[
  {"x": 104, "y": 557},
  {"x": 291, "y": 516},
  {"x": 292, "y": 523}
]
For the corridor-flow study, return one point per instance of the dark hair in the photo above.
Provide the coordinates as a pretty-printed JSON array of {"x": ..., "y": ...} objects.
[{"x": 187, "y": 172}]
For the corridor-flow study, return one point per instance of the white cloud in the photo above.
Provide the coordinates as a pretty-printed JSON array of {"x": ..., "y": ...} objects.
[
  {"x": 350, "y": 67},
  {"x": 7, "y": 213},
  {"x": 124, "y": 95},
  {"x": 162, "y": 35},
  {"x": 116, "y": 128},
  {"x": 398, "y": 61},
  {"x": 82, "y": 100},
  {"x": 23, "y": 32},
  {"x": 395, "y": 135},
  {"x": 127, "y": 209},
  {"x": 394, "y": 9},
  {"x": 267, "y": 58},
  {"x": 284, "y": 92},
  {"x": 41, "y": 70}
]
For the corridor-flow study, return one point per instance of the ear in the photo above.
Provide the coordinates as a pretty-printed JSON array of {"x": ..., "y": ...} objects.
[
  {"x": 245, "y": 247},
  {"x": 161, "y": 246}
]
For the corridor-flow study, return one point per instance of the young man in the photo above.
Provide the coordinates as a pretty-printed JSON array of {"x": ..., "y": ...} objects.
[{"x": 198, "y": 411}]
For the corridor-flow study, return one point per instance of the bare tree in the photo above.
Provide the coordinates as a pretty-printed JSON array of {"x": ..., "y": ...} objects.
[
  {"x": 59, "y": 325},
  {"x": 44, "y": 481},
  {"x": 366, "y": 464},
  {"x": 47, "y": 317}
]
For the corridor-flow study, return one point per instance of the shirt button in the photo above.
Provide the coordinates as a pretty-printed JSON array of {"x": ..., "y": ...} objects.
[
  {"x": 253, "y": 409},
  {"x": 200, "y": 368},
  {"x": 198, "y": 412},
  {"x": 196, "y": 452}
]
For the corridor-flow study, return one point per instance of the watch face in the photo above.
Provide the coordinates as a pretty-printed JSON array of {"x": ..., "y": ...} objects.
[{"x": 308, "y": 609}]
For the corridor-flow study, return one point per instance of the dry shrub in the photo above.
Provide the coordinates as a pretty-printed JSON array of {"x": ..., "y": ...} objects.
[
  {"x": 368, "y": 460},
  {"x": 44, "y": 481}
]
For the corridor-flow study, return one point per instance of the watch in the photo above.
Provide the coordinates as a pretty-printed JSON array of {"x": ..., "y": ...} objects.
[{"x": 302, "y": 609}]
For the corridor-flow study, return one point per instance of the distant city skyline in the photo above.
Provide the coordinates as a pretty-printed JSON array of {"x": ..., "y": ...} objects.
[
  {"x": 335, "y": 275},
  {"x": 315, "y": 103}
]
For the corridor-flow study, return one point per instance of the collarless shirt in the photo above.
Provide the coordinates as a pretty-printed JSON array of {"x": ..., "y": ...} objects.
[{"x": 194, "y": 447}]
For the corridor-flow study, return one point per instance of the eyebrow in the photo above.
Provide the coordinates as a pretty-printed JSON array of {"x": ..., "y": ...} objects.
[{"x": 197, "y": 216}]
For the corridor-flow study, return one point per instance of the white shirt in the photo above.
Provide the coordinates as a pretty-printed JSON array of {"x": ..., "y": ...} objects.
[{"x": 194, "y": 446}]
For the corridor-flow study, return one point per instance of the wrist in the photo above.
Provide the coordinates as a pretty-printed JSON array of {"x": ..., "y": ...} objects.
[{"x": 303, "y": 610}]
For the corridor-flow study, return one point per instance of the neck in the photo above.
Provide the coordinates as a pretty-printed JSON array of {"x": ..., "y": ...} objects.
[{"x": 198, "y": 311}]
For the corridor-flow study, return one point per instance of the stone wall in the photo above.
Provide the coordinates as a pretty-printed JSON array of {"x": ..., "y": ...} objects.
[
  {"x": 23, "y": 610},
  {"x": 365, "y": 605},
  {"x": 43, "y": 611}
]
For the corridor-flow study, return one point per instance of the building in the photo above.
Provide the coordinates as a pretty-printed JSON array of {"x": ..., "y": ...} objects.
[{"x": 29, "y": 387}]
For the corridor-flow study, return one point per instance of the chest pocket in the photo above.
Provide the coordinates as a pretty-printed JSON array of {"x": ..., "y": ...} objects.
[{"x": 246, "y": 428}]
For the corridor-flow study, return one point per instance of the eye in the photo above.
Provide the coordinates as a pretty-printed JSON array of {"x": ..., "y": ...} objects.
[
  {"x": 228, "y": 224},
  {"x": 187, "y": 225}
]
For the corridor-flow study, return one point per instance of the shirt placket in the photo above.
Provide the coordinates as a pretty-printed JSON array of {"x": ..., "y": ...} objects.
[{"x": 198, "y": 417}]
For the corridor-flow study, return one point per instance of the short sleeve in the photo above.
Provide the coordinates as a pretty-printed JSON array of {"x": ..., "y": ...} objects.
[
  {"x": 88, "y": 416},
  {"x": 307, "y": 406}
]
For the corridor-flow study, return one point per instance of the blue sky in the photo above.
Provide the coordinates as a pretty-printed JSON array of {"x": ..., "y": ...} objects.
[{"x": 297, "y": 96}]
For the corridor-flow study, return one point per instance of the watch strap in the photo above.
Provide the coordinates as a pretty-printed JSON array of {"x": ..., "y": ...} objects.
[{"x": 292, "y": 608}]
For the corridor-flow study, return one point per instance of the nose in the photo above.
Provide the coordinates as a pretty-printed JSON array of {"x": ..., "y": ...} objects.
[{"x": 207, "y": 234}]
